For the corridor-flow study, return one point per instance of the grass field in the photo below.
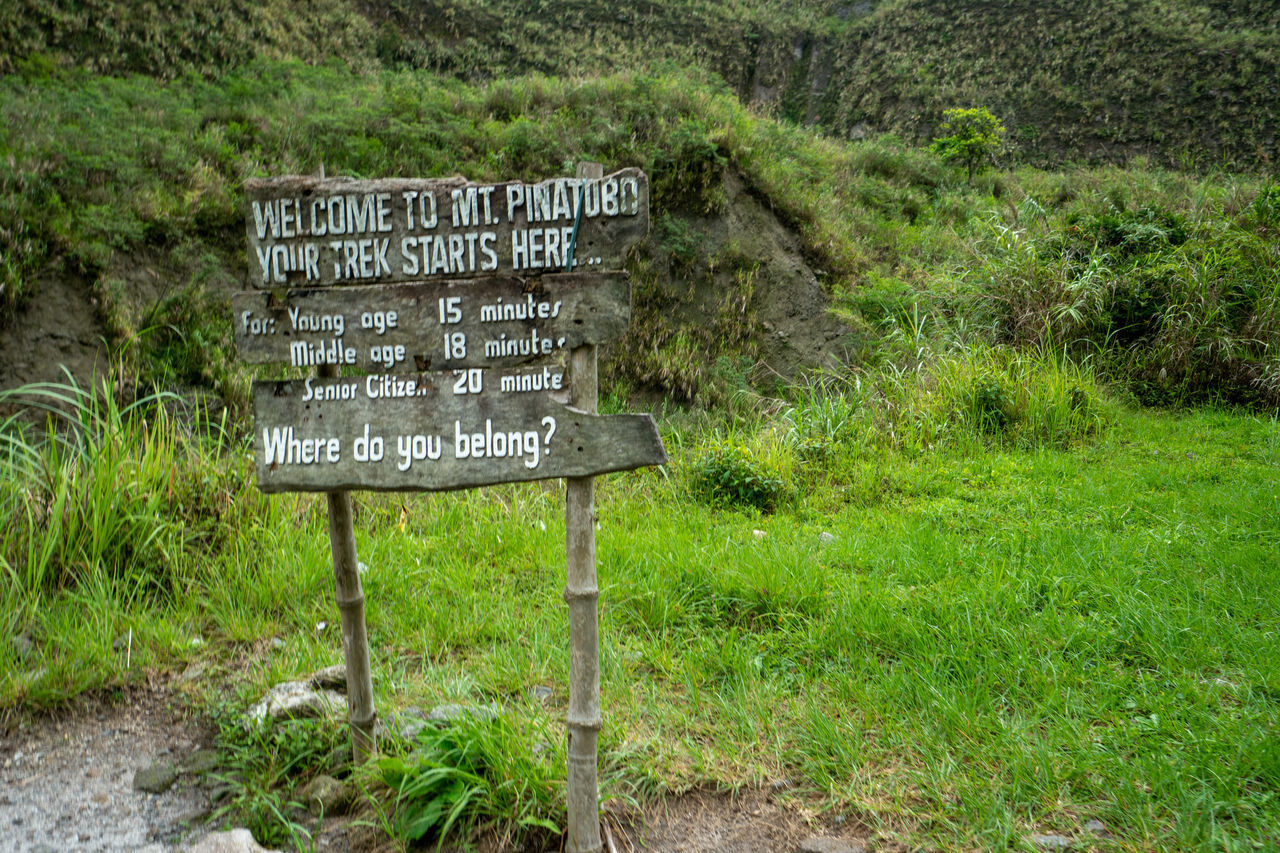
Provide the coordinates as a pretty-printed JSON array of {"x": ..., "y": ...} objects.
[{"x": 998, "y": 639}]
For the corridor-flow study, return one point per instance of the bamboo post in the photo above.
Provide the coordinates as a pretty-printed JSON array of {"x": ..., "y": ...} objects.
[
  {"x": 582, "y": 595},
  {"x": 350, "y": 597}
]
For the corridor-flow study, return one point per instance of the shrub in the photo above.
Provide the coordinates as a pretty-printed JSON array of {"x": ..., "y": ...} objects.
[
  {"x": 990, "y": 403},
  {"x": 729, "y": 475},
  {"x": 973, "y": 136},
  {"x": 1181, "y": 311}
]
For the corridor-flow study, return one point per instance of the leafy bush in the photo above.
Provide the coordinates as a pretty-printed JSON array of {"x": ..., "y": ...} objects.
[
  {"x": 729, "y": 475},
  {"x": 990, "y": 405},
  {"x": 1181, "y": 311},
  {"x": 971, "y": 137}
]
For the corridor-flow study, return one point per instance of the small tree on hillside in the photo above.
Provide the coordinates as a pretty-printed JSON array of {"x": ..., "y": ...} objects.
[{"x": 973, "y": 136}]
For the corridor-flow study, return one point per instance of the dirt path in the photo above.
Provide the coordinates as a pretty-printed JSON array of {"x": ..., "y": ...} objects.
[{"x": 67, "y": 784}]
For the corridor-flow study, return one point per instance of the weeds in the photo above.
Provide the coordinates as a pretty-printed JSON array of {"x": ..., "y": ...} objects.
[
  {"x": 89, "y": 501},
  {"x": 470, "y": 772},
  {"x": 1179, "y": 310},
  {"x": 264, "y": 766}
]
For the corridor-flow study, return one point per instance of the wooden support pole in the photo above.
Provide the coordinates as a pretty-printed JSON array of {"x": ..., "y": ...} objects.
[
  {"x": 355, "y": 640},
  {"x": 582, "y": 595}
]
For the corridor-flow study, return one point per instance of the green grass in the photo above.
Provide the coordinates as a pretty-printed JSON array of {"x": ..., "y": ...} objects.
[
  {"x": 1101, "y": 88},
  {"x": 1006, "y": 635},
  {"x": 1165, "y": 280}
]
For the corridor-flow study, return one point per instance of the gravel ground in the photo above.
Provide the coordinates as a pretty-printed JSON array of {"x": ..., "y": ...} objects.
[{"x": 66, "y": 783}]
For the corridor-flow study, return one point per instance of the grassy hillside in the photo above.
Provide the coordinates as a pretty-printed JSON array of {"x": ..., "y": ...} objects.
[
  {"x": 900, "y": 606},
  {"x": 1184, "y": 82},
  {"x": 1189, "y": 83},
  {"x": 1167, "y": 282}
]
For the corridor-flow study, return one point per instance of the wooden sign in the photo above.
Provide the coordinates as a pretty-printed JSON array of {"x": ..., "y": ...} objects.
[
  {"x": 483, "y": 322},
  {"x": 308, "y": 232},
  {"x": 503, "y": 275},
  {"x": 437, "y": 431}
]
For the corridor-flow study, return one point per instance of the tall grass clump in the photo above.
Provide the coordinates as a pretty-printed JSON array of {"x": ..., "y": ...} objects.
[
  {"x": 264, "y": 767},
  {"x": 1177, "y": 299},
  {"x": 473, "y": 772},
  {"x": 95, "y": 497},
  {"x": 1000, "y": 395},
  {"x": 823, "y": 419}
]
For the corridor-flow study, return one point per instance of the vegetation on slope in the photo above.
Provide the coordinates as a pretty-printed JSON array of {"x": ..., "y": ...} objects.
[
  {"x": 1167, "y": 281},
  {"x": 1181, "y": 81},
  {"x": 1189, "y": 83}
]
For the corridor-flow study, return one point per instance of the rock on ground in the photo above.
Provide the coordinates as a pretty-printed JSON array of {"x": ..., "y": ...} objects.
[
  {"x": 297, "y": 700},
  {"x": 234, "y": 841}
]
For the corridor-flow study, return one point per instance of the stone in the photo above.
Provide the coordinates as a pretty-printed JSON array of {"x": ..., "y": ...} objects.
[
  {"x": 1050, "y": 843},
  {"x": 22, "y": 646},
  {"x": 156, "y": 779},
  {"x": 325, "y": 795},
  {"x": 193, "y": 671},
  {"x": 541, "y": 693},
  {"x": 819, "y": 844},
  {"x": 825, "y": 538},
  {"x": 339, "y": 758},
  {"x": 1097, "y": 827},
  {"x": 232, "y": 841},
  {"x": 453, "y": 713},
  {"x": 759, "y": 534},
  {"x": 404, "y": 725},
  {"x": 330, "y": 678},
  {"x": 296, "y": 700},
  {"x": 202, "y": 761}
]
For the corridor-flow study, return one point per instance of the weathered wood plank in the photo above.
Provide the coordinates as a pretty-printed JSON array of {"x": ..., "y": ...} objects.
[
  {"x": 308, "y": 231},
  {"x": 436, "y": 431},
  {"x": 503, "y": 321},
  {"x": 582, "y": 594}
]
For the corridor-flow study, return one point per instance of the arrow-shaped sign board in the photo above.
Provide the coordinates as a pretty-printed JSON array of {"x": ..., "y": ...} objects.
[
  {"x": 484, "y": 322},
  {"x": 437, "y": 431},
  {"x": 313, "y": 232}
]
